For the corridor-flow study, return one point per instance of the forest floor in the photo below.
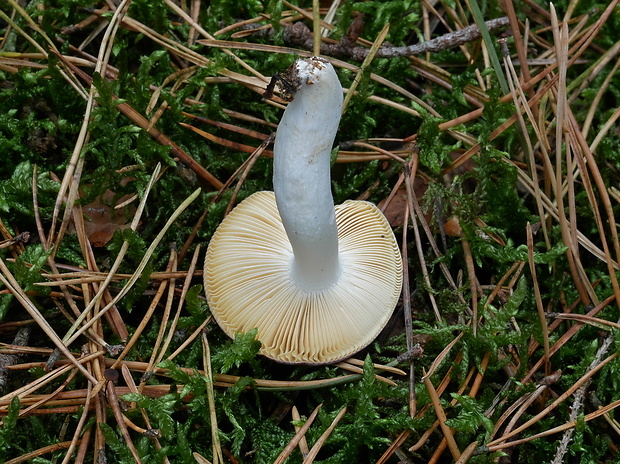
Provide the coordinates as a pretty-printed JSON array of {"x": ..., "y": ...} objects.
[{"x": 486, "y": 133}]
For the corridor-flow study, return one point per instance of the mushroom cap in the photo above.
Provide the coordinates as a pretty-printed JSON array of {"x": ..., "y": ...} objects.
[{"x": 248, "y": 283}]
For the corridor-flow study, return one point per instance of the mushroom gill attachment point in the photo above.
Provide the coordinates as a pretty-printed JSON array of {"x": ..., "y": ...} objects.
[{"x": 318, "y": 282}]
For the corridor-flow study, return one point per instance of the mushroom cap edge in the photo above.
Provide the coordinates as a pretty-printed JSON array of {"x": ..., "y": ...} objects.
[{"x": 248, "y": 285}]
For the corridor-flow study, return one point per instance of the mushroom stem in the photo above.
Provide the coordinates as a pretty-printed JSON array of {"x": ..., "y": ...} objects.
[{"x": 301, "y": 173}]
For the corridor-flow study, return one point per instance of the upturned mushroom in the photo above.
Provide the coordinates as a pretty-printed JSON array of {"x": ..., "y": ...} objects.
[{"x": 318, "y": 282}]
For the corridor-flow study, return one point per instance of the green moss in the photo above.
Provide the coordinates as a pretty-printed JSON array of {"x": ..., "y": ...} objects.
[{"x": 40, "y": 118}]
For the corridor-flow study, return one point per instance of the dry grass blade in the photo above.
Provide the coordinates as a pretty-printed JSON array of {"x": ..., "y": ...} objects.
[
  {"x": 595, "y": 321},
  {"x": 377, "y": 367},
  {"x": 145, "y": 320},
  {"x": 448, "y": 433},
  {"x": 440, "y": 358},
  {"x": 548, "y": 409},
  {"x": 230, "y": 127},
  {"x": 569, "y": 425},
  {"x": 394, "y": 446},
  {"x": 78, "y": 432},
  {"x": 359, "y": 370},
  {"x": 303, "y": 443},
  {"x": 518, "y": 408},
  {"x": 197, "y": 26},
  {"x": 407, "y": 317},
  {"x": 219, "y": 140},
  {"x": 102, "y": 288},
  {"x": 539, "y": 303},
  {"x": 154, "y": 434},
  {"x": 414, "y": 211},
  {"x": 316, "y": 28},
  {"x": 10, "y": 283},
  {"x": 520, "y": 101},
  {"x": 40, "y": 452},
  {"x": 288, "y": 449},
  {"x": 140, "y": 267},
  {"x": 323, "y": 438},
  {"x": 200, "y": 459},
  {"x": 44, "y": 401},
  {"x": 120, "y": 418},
  {"x": 157, "y": 355},
  {"x": 567, "y": 226},
  {"x": 473, "y": 281},
  {"x": 566, "y": 337},
  {"x": 172, "y": 327},
  {"x": 472, "y": 393},
  {"x": 28, "y": 389},
  {"x": 365, "y": 64},
  {"x": 218, "y": 458}
]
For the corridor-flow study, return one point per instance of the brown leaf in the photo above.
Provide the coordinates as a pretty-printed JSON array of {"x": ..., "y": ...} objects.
[
  {"x": 101, "y": 220},
  {"x": 395, "y": 210}
]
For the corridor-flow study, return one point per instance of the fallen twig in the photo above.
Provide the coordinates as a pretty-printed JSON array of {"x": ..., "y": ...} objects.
[{"x": 300, "y": 35}]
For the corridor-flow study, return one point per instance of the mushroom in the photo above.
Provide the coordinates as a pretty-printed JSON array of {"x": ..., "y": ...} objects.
[{"x": 318, "y": 282}]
